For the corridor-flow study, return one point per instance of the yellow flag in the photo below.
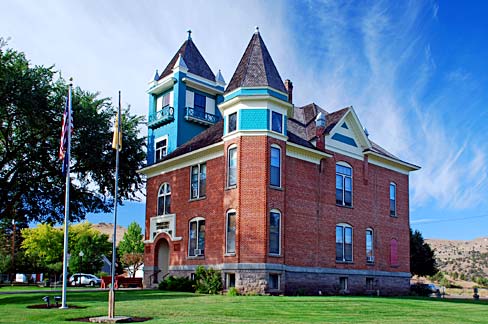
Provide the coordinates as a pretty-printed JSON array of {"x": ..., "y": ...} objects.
[{"x": 117, "y": 140}]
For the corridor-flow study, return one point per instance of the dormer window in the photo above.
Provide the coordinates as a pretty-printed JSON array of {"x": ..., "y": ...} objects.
[{"x": 276, "y": 122}]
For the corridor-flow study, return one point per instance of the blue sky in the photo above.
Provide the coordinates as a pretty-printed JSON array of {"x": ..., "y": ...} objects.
[{"x": 416, "y": 73}]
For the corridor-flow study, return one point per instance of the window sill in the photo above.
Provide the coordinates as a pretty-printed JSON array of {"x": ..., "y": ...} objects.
[
  {"x": 197, "y": 257},
  {"x": 275, "y": 255},
  {"x": 231, "y": 187},
  {"x": 370, "y": 263},
  {"x": 276, "y": 188},
  {"x": 345, "y": 262},
  {"x": 230, "y": 255},
  {"x": 394, "y": 216},
  {"x": 197, "y": 199},
  {"x": 344, "y": 206}
]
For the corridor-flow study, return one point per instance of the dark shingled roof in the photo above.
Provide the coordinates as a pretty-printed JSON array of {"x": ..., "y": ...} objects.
[
  {"x": 256, "y": 68},
  {"x": 194, "y": 61}
]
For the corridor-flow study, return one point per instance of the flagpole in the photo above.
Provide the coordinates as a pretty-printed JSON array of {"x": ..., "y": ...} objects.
[
  {"x": 66, "y": 203},
  {"x": 111, "y": 295}
]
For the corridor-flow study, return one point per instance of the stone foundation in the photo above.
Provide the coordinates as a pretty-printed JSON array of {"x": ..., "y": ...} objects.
[{"x": 259, "y": 279}]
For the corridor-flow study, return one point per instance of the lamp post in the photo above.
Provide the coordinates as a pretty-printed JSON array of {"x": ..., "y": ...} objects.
[{"x": 81, "y": 261}]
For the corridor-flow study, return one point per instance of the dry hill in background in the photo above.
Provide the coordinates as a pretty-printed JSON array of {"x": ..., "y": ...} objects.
[
  {"x": 108, "y": 228},
  {"x": 462, "y": 257}
]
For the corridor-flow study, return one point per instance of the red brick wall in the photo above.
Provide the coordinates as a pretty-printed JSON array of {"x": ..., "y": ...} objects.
[{"x": 307, "y": 203}]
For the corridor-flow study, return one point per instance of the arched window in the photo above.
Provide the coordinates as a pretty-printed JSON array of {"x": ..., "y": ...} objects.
[
  {"x": 275, "y": 166},
  {"x": 343, "y": 243},
  {"x": 230, "y": 232},
  {"x": 275, "y": 232},
  {"x": 196, "y": 237},
  {"x": 164, "y": 199},
  {"x": 393, "y": 211},
  {"x": 343, "y": 184},
  {"x": 369, "y": 245},
  {"x": 232, "y": 166}
]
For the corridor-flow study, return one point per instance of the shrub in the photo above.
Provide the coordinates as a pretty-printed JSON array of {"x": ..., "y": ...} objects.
[
  {"x": 208, "y": 281},
  {"x": 177, "y": 284},
  {"x": 232, "y": 292}
]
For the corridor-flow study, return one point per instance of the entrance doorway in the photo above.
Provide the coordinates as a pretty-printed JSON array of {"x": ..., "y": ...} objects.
[{"x": 163, "y": 259}]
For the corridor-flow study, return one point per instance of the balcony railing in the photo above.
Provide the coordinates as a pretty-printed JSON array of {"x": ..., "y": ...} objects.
[
  {"x": 164, "y": 116},
  {"x": 200, "y": 116}
]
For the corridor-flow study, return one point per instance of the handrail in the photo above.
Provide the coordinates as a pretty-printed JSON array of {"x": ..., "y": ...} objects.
[{"x": 201, "y": 115}]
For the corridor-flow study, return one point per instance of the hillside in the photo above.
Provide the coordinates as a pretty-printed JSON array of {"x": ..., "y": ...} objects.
[
  {"x": 108, "y": 228},
  {"x": 466, "y": 258}
]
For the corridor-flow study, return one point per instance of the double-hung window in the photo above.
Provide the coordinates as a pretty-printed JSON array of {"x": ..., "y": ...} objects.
[
  {"x": 343, "y": 185},
  {"x": 392, "y": 199},
  {"x": 275, "y": 232},
  {"x": 196, "y": 244},
  {"x": 232, "y": 167},
  {"x": 230, "y": 236},
  {"x": 343, "y": 243},
  {"x": 198, "y": 185},
  {"x": 276, "y": 122},
  {"x": 164, "y": 199},
  {"x": 199, "y": 105},
  {"x": 275, "y": 166},
  {"x": 161, "y": 149},
  {"x": 369, "y": 246}
]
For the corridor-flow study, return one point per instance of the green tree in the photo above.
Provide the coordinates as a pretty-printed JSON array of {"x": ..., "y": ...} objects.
[
  {"x": 32, "y": 102},
  {"x": 422, "y": 259},
  {"x": 131, "y": 248},
  {"x": 94, "y": 245}
]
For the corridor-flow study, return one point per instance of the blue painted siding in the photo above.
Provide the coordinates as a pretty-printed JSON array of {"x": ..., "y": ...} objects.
[
  {"x": 256, "y": 92},
  {"x": 344, "y": 139},
  {"x": 225, "y": 124},
  {"x": 250, "y": 119}
]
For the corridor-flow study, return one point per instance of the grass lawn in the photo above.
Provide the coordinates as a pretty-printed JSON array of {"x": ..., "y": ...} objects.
[{"x": 170, "y": 307}]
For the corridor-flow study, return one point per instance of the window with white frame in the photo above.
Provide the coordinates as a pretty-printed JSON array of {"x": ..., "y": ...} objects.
[
  {"x": 343, "y": 243},
  {"x": 276, "y": 122},
  {"x": 198, "y": 181},
  {"x": 369, "y": 246},
  {"x": 343, "y": 184},
  {"x": 275, "y": 166},
  {"x": 164, "y": 199},
  {"x": 232, "y": 122},
  {"x": 230, "y": 280},
  {"x": 161, "y": 148},
  {"x": 392, "y": 199},
  {"x": 196, "y": 241},
  {"x": 275, "y": 232},
  {"x": 230, "y": 235},
  {"x": 232, "y": 166},
  {"x": 162, "y": 101}
]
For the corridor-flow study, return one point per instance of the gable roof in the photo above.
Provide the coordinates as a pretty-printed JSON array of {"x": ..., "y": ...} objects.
[
  {"x": 194, "y": 61},
  {"x": 256, "y": 68}
]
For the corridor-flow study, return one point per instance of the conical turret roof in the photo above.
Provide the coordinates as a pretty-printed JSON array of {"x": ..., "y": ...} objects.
[{"x": 256, "y": 68}]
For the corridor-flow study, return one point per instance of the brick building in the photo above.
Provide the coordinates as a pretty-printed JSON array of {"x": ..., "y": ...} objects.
[{"x": 279, "y": 198}]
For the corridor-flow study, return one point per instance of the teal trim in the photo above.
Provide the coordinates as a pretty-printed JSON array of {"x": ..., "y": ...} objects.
[
  {"x": 253, "y": 119},
  {"x": 256, "y": 92},
  {"x": 344, "y": 139},
  {"x": 344, "y": 126},
  {"x": 285, "y": 125},
  {"x": 225, "y": 124}
]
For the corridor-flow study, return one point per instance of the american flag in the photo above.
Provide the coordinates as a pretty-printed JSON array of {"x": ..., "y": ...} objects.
[{"x": 65, "y": 133}]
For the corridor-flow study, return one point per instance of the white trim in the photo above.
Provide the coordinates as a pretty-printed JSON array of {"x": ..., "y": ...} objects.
[
  {"x": 344, "y": 225},
  {"x": 227, "y": 184},
  {"x": 198, "y": 156},
  {"x": 227, "y": 230},
  {"x": 304, "y": 153},
  {"x": 259, "y": 87},
  {"x": 156, "y": 141},
  {"x": 344, "y": 176},
  {"x": 276, "y": 146},
  {"x": 241, "y": 99},
  {"x": 164, "y": 199},
  {"x": 197, "y": 220},
  {"x": 208, "y": 88},
  {"x": 254, "y": 132},
  {"x": 271, "y": 111},
  {"x": 162, "y": 85},
  {"x": 397, "y": 165}
]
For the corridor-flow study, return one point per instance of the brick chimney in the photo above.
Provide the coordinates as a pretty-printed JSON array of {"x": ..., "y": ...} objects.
[
  {"x": 320, "y": 123},
  {"x": 289, "y": 89}
]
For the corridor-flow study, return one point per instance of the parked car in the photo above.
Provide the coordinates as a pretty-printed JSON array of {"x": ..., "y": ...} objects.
[{"x": 84, "y": 279}]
